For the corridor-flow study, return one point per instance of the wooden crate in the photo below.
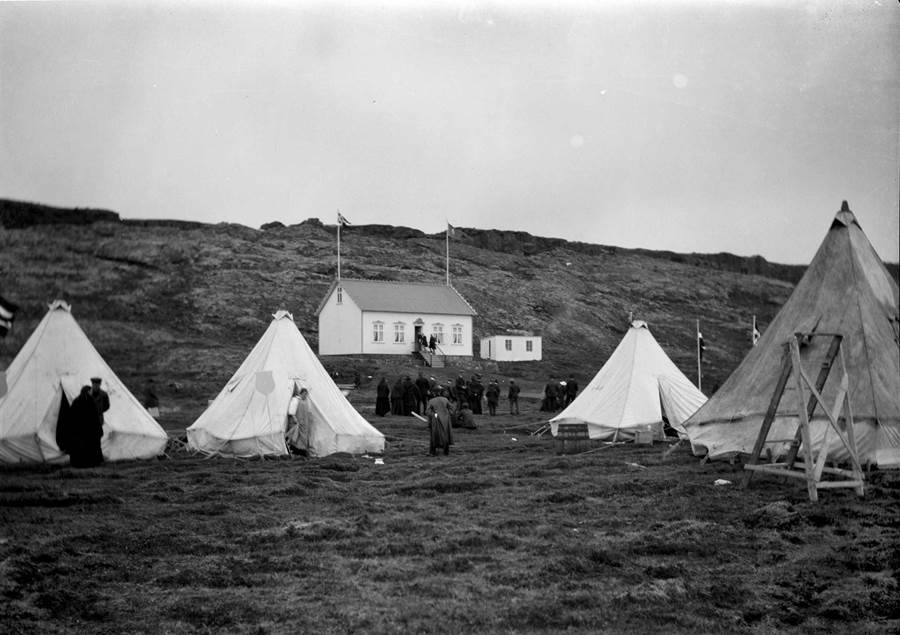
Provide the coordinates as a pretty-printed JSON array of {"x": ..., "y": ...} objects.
[
  {"x": 643, "y": 437},
  {"x": 572, "y": 438}
]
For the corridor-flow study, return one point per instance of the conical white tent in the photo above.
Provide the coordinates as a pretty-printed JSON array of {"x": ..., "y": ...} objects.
[
  {"x": 249, "y": 416},
  {"x": 846, "y": 289},
  {"x": 635, "y": 387},
  {"x": 58, "y": 359}
]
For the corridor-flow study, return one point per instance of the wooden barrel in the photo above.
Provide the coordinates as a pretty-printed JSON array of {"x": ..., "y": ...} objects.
[{"x": 572, "y": 438}]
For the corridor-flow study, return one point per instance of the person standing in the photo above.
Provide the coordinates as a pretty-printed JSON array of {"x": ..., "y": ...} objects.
[
  {"x": 100, "y": 396},
  {"x": 432, "y": 343},
  {"x": 84, "y": 431},
  {"x": 551, "y": 392},
  {"x": 513, "y": 397},
  {"x": 439, "y": 430},
  {"x": 397, "y": 397},
  {"x": 493, "y": 396},
  {"x": 571, "y": 389},
  {"x": 298, "y": 422},
  {"x": 422, "y": 397},
  {"x": 150, "y": 400},
  {"x": 475, "y": 390},
  {"x": 382, "y": 398}
]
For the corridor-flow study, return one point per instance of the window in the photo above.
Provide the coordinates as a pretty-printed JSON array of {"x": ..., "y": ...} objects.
[
  {"x": 528, "y": 345},
  {"x": 399, "y": 332},
  {"x": 508, "y": 344},
  {"x": 456, "y": 334},
  {"x": 340, "y": 295},
  {"x": 438, "y": 331},
  {"x": 378, "y": 332}
]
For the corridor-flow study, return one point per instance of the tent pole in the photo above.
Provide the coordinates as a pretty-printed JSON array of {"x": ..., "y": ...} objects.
[{"x": 699, "y": 371}]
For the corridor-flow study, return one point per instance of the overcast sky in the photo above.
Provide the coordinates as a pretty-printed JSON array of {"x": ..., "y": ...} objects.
[{"x": 688, "y": 126}]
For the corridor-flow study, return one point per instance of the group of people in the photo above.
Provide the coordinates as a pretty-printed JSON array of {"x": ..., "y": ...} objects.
[
  {"x": 559, "y": 394},
  {"x": 429, "y": 343},
  {"x": 79, "y": 428},
  {"x": 453, "y": 405},
  {"x": 408, "y": 396}
]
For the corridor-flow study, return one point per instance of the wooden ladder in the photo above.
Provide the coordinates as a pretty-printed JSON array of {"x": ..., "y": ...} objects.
[{"x": 811, "y": 470}]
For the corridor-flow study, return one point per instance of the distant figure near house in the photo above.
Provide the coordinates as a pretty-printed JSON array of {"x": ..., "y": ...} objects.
[
  {"x": 397, "y": 397},
  {"x": 432, "y": 343},
  {"x": 513, "y": 397},
  {"x": 423, "y": 387},
  {"x": 551, "y": 392},
  {"x": 475, "y": 390},
  {"x": 492, "y": 393},
  {"x": 382, "y": 398},
  {"x": 571, "y": 389}
]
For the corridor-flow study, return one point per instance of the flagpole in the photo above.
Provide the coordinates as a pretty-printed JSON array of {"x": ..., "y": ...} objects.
[
  {"x": 339, "y": 246},
  {"x": 447, "y": 240},
  {"x": 699, "y": 371}
]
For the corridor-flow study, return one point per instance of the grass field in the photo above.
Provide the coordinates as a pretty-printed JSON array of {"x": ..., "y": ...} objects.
[{"x": 504, "y": 535}]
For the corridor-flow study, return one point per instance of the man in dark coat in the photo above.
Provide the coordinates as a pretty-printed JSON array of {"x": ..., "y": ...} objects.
[
  {"x": 410, "y": 397},
  {"x": 382, "y": 398},
  {"x": 551, "y": 392},
  {"x": 571, "y": 389},
  {"x": 100, "y": 396},
  {"x": 424, "y": 387},
  {"x": 84, "y": 429},
  {"x": 492, "y": 393},
  {"x": 513, "y": 396},
  {"x": 397, "y": 397},
  {"x": 476, "y": 392}
]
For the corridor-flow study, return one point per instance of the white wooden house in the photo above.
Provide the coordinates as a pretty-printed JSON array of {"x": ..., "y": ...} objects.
[
  {"x": 512, "y": 347},
  {"x": 374, "y": 317}
]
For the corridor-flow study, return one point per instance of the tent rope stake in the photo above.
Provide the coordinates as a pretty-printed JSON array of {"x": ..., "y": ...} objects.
[{"x": 811, "y": 468}]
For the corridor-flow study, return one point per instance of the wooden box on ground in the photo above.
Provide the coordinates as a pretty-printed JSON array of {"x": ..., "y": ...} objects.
[
  {"x": 572, "y": 438},
  {"x": 643, "y": 437}
]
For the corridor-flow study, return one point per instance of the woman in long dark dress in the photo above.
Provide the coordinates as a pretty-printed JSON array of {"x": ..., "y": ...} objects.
[
  {"x": 440, "y": 433},
  {"x": 382, "y": 398},
  {"x": 85, "y": 429}
]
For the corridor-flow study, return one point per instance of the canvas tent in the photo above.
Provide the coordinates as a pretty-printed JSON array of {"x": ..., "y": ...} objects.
[
  {"x": 55, "y": 362},
  {"x": 846, "y": 289},
  {"x": 636, "y": 386},
  {"x": 249, "y": 416}
]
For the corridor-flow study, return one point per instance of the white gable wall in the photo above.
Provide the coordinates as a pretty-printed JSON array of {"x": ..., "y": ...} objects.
[
  {"x": 340, "y": 326},
  {"x": 494, "y": 347}
]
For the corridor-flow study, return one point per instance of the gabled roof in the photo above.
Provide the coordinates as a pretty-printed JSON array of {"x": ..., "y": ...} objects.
[{"x": 401, "y": 297}]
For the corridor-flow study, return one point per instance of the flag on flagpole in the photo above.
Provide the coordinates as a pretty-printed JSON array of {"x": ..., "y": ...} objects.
[
  {"x": 754, "y": 334},
  {"x": 342, "y": 221},
  {"x": 451, "y": 230},
  {"x": 7, "y": 315},
  {"x": 701, "y": 346}
]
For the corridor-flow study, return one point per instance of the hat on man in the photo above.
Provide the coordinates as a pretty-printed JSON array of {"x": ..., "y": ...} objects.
[{"x": 96, "y": 380}]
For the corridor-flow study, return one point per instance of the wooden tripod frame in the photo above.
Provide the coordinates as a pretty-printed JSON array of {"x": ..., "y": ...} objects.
[{"x": 812, "y": 467}]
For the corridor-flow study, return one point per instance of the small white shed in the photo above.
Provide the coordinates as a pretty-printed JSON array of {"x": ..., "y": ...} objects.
[{"x": 512, "y": 347}]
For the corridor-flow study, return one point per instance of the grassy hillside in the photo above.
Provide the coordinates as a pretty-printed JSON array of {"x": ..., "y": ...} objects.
[{"x": 183, "y": 302}]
